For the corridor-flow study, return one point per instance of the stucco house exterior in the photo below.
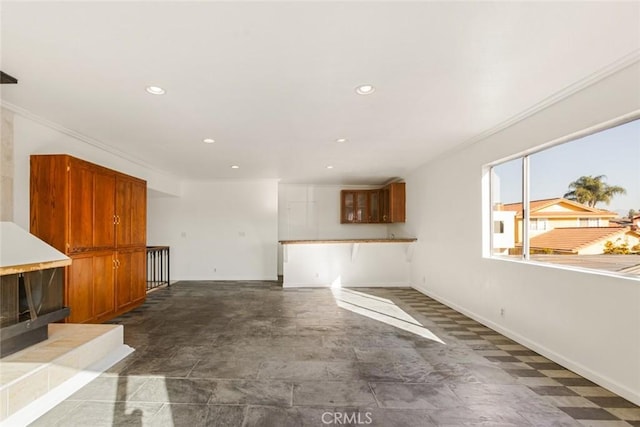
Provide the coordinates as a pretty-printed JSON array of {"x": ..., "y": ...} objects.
[{"x": 549, "y": 214}]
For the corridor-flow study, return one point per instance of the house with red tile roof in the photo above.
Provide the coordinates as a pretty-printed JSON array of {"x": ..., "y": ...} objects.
[
  {"x": 548, "y": 214},
  {"x": 582, "y": 240}
]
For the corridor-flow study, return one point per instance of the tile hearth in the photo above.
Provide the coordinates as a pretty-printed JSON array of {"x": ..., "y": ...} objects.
[
  {"x": 253, "y": 354},
  {"x": 32, "y": 380}
]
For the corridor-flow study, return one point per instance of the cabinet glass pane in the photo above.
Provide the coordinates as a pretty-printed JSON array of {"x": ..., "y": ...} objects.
[
  {"x": 361, "y": 213},
  {"x": 349, "y": 206},
  {"x": 374, "y": 207}
]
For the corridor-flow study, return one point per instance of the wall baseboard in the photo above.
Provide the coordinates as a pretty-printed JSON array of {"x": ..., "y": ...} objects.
[{"x": 601, "y": 380}]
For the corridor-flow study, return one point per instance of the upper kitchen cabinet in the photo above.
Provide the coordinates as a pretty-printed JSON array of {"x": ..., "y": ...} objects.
[
  {"x": 355, "y": 206},
  {"x": 377, "y": 206},
  {"x": 393, "y": 202}
]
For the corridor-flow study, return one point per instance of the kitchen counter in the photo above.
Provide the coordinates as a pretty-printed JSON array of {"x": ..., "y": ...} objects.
[
  {"x": 347, "y": 262},
  {"x": 375, "y": 240}
]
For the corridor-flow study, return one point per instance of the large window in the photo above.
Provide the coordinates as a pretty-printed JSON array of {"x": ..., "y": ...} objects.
[{"x": 572, "y": 204}]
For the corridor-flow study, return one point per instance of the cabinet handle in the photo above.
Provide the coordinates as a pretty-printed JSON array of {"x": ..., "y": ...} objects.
[
  {"x": 114, "y": 264},
  {"x": 118, "y": 263},
  {"x": 115, "y": 219},
  {"x": 118, "y": 218}
]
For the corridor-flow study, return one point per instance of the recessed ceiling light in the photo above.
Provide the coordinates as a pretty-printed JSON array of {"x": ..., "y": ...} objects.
[
  {"x": 208, "y": 140},
  {"x": 235, "y": 167},
  {"x": 341, "y": 140},
  {"x": 329, "y": 167},
  {"x": 155, "y": 90},
  {"x": 365, "y": 89}
]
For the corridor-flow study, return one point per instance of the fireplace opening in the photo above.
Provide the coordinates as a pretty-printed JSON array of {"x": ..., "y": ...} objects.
[
  {"x": 29, "y": 301},
  {"x": 39, "y": 292}
]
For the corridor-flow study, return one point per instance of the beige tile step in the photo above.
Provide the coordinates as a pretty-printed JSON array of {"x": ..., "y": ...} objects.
[{"x": 35, "y": 379}]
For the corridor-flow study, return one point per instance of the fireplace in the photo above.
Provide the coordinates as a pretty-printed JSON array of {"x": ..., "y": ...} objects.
[
  {"x": 29, "y": 302},
  {"x": 31, "y": 288}
]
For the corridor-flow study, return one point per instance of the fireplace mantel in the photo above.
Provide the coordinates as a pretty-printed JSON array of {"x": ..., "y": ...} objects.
[
  {"x": 31, "y": 288},
  {"x": 21, "y": 252}
]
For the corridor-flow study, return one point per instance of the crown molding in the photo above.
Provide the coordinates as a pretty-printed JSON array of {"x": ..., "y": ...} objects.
[
  {"x": 616, "y": 66},
  {"x": 82, "y": 137}
]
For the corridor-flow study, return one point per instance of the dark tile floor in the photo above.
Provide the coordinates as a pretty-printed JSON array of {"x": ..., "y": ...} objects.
[{"x": 253, "y": 354}]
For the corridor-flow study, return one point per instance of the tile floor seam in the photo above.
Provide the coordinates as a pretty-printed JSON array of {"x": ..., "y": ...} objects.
[
  {"x": 371, "y": 389},
  {"x": 291, "y": 401},
  {"x": 245, "y": 414}
]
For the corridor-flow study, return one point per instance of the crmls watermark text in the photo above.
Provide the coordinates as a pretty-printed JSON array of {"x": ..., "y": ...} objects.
[{"x": 339, "y": 418}]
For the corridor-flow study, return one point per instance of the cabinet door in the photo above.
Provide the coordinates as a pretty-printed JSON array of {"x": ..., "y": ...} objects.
[
  {"x": 348, "y": 206},
  {"x": 81, "y": 192},
  {"x": 123, "y": 212},
  {"x": 397, "y": 202},
  {"x": 49, "y": 192},
  {"x": 138, "y": 275},
  {"x": 131, "y": 213},
  {"x": 131, "y": 279},
  {"x": 385, "y": 207},
  {"x": 104, "y": 210},
  {"x": 79, "y": 294},
  {"x": 123, "y": 279},
  {"x": 362, "y": 211},
  {"x": 138, "y": 214},
  {"x": 104, "y": 267},
  {"x": 374, "y": 206}
]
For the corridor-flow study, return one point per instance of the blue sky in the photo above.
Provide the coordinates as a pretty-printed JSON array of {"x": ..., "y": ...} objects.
[{"x": 614, "y": 152}]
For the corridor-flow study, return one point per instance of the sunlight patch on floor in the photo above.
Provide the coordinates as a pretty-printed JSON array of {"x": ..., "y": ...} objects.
[{"x": 380, "y": 309}]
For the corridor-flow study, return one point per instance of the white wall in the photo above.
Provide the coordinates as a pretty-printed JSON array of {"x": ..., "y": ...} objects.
[
  {"x": 33, "y": 137},
  {"x": 211, "y": 214},
  {"x": 587, "y": 322},
  {"x": 309, "y": 211},
  {"x": 219, "y": 230}
]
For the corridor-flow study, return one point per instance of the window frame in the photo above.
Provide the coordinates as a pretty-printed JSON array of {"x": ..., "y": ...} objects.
[{"x": 525, "y": 158}]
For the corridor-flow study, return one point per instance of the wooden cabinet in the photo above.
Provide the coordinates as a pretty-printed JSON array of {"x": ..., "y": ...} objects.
[
  {"x": 130, "y": 214},
  {"x": 394, "y": 203},
  {"x": 104, "y": 266},
  {"x": 90, "y": 286},
  {"x": 360, "y": 206},
  {"x": 373, "y": 205},
  {"x": 354, "y": 206},
  {"x": 138, "y": 214},
  {"x": 81, "y": 197},
  {"x": 91, "y": 209},
  {"x": 104, "y": 210},
  {"x": 79, "y": 288},
  {"x": 98, "y": 217},
  {"x": 130, "y": 277},
  {"x": 383, "y": 205}
]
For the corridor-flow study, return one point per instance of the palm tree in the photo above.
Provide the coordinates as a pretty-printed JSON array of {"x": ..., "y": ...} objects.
[{"x": 589, "y": 190}]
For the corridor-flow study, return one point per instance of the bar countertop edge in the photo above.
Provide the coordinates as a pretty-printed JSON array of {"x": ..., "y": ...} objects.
[{"x": 328, "y": 241}]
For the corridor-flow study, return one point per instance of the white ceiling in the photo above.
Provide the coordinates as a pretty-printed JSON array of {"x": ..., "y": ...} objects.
[{"x": 273, "y": 82}]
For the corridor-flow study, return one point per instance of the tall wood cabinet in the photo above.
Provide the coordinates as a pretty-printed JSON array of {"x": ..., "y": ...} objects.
[{"x": 96, "y": 216}]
